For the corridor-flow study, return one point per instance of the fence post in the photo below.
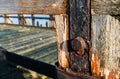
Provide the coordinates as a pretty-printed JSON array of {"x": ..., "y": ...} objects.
[{"x": 33, "y": 20}]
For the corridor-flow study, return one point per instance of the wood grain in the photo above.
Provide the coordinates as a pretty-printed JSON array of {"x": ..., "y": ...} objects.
[
  {"x": 106, "y": 44},
  {"x": 79, "y": 27},
  {"x": 33, "y": 6},
  {"x": 62, "y": 31}
]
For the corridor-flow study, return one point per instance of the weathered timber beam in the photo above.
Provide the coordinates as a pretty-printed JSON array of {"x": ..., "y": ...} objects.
[
  {"x": 62, "y": 31},
  {"x": 79, "y": 35},
  {"x": 52, "y": 21},
  {"x": 33, "y": 6},
  {"x": 105, "y": 61},
  {"x": 110, "y": 7},
  {"x": 47, "y": 18}
]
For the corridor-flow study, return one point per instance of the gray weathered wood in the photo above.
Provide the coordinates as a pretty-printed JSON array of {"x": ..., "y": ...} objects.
[
  {"x": 111, "y": 7},
  {"x": 33, "y": 6},
  {"x": 106, "y": 46},
  {"x": 56, "y": 6}
]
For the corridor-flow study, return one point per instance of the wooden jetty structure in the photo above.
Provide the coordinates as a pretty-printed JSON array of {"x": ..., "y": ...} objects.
[{"x": 88, "y": 38}]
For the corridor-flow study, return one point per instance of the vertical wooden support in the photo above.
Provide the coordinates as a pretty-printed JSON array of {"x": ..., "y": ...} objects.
[
  {"x": 52, "y": 22},
  {"x": 33, "y": 20},
  {"x": 46, "y": 24},
  {"x": 37, "y": 23},
  {"x": 5, "y": 18},
  {"x": 79, "y": 35},
  {"x": 62, "y": 39},
  {"x": 19, "y": 19},
  {"x": 106, "y": 46},
  {"x": 26, "y": 20}
]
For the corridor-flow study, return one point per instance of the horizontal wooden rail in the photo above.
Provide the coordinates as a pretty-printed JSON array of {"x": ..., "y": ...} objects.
[
  {"x": 33, "y": 6},
  {"x": 29, "y": 26},
  {"x": 55, "y": 6},
  {"x": 47, "y": 18}
]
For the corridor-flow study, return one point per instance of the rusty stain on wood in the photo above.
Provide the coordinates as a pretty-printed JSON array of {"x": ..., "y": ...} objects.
[
  {"x": 95, "y": 64},
  {"x": 113, "y": 75},
  {"x": 62, "y": 74},
  {"x": 106, "y": 45},
  {"x": 79, "y": 27},
  {"x": 79, "y": 45}
]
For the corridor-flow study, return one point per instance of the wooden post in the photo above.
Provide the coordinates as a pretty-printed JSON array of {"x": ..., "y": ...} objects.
[
  {"x": 80, "y": 35},
  {"x": 33, "y": 20},
  {"x": 74, "y": 41},
  {"x": 19, "y": 19},
  {"x": 52, "y": 22},
  {"x": 62, "y": 31},
  {"x": 46, "y": 24},
  {"x": 5, "y": 18},
  {"x": 106, "y": 46},
  {"x": 37, "y": 23}
]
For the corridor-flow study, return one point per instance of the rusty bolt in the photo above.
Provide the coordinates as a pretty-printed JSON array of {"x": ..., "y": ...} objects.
[{"x": 78, "y": 45}]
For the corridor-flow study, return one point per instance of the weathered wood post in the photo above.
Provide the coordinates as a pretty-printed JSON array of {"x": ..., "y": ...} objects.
[
  {"x": 52, "y": 22},
  {"x": 92, "y": 49},
  {"x": 62, "y": 40},
  {"x": 74, "y": 37},
  {"x": 19, "y": 19},
  {"x": 80, "y": 34},
  {"x": 7, "y": 19},
  {"x": 105, "y": 51},
  {"x": 33, "y": 20},
  {"x": 46, "y": 23},
  {"x": 106, "y": 44}
]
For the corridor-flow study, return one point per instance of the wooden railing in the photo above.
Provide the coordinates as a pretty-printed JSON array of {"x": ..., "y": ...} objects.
[
  {"x": 24, "y": 20},
  {"x": 82, "y": 46}
]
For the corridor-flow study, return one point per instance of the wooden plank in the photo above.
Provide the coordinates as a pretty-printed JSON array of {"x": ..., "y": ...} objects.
[
  {"x": 106, "y": 46},
  {"x": 27, "y": 17},
  {"x": 33, "y": 6},
  {"x": 56, "y": 6},
  {"x": 111, "y": 7},
  {"x": 62, "y": 31},
  {"x": 79, "y": 35}
]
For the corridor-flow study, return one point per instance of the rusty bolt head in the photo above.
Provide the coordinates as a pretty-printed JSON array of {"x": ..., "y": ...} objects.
[{"x": 78, "y": 45}]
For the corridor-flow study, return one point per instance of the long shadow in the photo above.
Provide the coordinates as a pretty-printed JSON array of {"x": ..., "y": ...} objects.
[{"x": 40, "y": 67}]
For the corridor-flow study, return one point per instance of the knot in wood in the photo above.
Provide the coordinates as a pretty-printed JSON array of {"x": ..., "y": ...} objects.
[{"x": 78, "y": 45}]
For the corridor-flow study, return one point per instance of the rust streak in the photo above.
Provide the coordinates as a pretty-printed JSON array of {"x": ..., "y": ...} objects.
[
  {"x": 113, "y": 75},
  {"x": 95, "y": 64}
]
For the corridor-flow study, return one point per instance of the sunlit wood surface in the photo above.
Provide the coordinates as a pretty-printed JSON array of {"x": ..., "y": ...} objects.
[{"x": 36, "y": 43}]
